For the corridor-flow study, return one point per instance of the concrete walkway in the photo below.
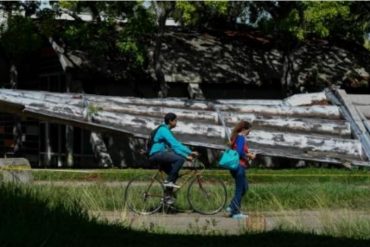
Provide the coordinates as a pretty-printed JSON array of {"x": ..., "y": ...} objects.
[{"x": 221, "y": 224}]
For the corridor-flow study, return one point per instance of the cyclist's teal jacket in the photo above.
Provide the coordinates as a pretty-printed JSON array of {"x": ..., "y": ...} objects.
[{"x": 164, "y": 140}]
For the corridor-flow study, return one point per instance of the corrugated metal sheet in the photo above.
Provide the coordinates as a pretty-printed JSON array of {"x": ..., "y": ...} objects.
[{"x": 305, "y": 126}]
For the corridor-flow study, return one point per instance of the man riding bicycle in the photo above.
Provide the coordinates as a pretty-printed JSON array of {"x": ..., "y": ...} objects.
[{"x": 169, "y": 152}]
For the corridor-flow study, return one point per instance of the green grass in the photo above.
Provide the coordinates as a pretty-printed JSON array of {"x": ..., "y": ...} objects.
[
  {"x": 254, "y": 175},
  {"x": 312, "y": 195},
  {"x": 31, "y": 218},
  {"x": 281, "y": 192},
  {"x": 260, "y": 197},
  {"x": 327, "y": 191},
  {"x": 87, "y": 175},
  {"x": 269, "y": 190}
]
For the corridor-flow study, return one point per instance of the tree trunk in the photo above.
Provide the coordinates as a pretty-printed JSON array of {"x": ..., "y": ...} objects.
[
  {"x": 69, "y": 128},
  {"x": 96, "y": 140},
  {"x": 286, "y": 79},
  {"x": 100, "y": 150},
  {"x": 69, "y": 145},
  {"x": 47, "y": 156},
  {"x": 17, "y": 128},
  {"x": 13, "y": 76},
  {"x": 162, "y": 14}
]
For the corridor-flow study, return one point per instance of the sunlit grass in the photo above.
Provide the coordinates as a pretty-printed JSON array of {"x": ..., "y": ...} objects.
[
  {"x": 303, "y": 176},
  {"x": 326, "y": 203},
  {"x": 339, "y": 223},
  {"x": 320, "y": 217}
]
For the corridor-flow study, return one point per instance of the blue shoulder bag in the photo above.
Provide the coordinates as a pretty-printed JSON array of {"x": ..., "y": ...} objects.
[{"x": 229, "y": 159}]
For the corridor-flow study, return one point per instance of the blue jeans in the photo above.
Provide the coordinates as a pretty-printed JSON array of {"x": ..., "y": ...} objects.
[
  {"x": 241, "y": 187},
  {"x": 169, "y": 162}
]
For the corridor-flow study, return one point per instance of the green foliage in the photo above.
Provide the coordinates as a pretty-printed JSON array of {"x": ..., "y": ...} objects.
[
  {"x": 71, "y": 5},
  {"x": 131, "y": 48},
  {"x": 343, "y": 20},
  {"x": 187, "y": 10},
  {"x": 47, "y": 23},
  {"x": 19, "y": 37},
  {"x": 220, "y": 7},
  {"x": 78, "y": 35},
  {"x": 207, "y": 13},
  {"x": 320, "y": 17},
  {"x": 105, "y": 37},
  {"x": 317, "y": 19},
  {"x": 292, "y": 24},
  {"x": 93, "y": 110},
  {"x": 131, "y": 38},
  {"x": 367, "y": 44}
]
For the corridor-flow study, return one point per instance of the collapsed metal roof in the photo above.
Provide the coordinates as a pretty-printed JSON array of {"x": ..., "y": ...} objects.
[{"x": 329, "y": 126}]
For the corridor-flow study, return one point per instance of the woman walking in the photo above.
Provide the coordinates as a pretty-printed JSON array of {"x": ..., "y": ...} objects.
[{"x": 239, "y": 143}]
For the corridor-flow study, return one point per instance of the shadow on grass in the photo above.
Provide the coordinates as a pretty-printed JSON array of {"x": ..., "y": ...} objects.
[{"x": 30, "y": 219}]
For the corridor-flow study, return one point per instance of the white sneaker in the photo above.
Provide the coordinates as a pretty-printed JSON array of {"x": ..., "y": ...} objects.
[
  {"x": 228, "y": 211},
  {"x": 170, "y": 185},
  {"x": 239, "y": 216},
  {"x": 169, "y": 200}
]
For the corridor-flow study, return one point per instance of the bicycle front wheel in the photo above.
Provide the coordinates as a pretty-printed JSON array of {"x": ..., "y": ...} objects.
[
  {"x": 207, "y": 195},
  {"x": 144, "y": 195}
]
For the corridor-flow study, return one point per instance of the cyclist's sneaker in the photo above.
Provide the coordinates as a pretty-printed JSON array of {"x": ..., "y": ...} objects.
[
  {"x": 170, "y": 185},
  {"x": 239, "y": 216},
  {"x": 228, "y": 211},
  {"x": 169, "y": 200}
]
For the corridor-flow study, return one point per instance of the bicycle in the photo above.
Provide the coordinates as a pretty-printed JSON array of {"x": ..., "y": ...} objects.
[{"x": 146, "y": 195}]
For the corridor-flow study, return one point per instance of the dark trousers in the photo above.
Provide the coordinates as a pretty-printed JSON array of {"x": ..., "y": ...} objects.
[
  {"x": 169, "y": 162},
  {"x": 241, "y": 187}
]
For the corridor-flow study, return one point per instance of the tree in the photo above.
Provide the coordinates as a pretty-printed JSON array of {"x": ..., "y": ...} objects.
[
  {"x": 105, "y": 36},
  {"x": 191, "y": 15},
  {"x": 18, "y": 39},
  {"x": 162, "y": 10},
  {"x": 293, "y": 23},
  {"x": 18, "y": 35}
]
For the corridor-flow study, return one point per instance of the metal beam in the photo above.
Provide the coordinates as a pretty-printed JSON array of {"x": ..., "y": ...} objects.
[{"x": 340, "y": 98}]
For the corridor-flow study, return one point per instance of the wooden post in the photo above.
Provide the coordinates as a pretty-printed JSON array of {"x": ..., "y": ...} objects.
[
  {"x": 69, "y": 128},
  {"x": 69, "y": 145},
  {"x": 47, "y": 157},
  {"x": 60, "y": 164}
]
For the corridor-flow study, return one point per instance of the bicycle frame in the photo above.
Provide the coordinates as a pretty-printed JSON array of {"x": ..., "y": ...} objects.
[{"x": 196, "y": 172}]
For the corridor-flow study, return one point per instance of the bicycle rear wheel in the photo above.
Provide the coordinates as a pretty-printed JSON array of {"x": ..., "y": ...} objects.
[
  {"x": 144, "y": 195},
  {"x": 207, "y": 195}
]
